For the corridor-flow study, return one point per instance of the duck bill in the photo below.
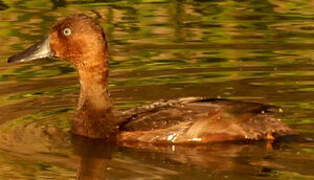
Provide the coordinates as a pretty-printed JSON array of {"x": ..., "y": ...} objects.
[{"x": 39, "y": 50}]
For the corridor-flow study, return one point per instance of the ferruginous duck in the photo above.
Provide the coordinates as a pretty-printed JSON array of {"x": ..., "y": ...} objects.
[{"x": 81, "y": 41}]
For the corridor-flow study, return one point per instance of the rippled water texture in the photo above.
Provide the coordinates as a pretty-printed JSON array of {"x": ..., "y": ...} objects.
[{"x": 238, "y": 49}]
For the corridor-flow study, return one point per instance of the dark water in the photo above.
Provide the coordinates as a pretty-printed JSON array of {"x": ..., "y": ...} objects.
[{"x": 247, "y": 49}]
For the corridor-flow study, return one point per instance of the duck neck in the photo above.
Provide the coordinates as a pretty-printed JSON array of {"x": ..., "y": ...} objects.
[{"x": 94, "y": 116}]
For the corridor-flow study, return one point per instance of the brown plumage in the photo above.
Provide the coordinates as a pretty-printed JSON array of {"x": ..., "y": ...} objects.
[
  {"x": 193, "y": 120},
  {"x": 200, "y": 120}
]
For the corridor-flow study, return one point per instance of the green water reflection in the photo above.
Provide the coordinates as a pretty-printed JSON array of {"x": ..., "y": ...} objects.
[{"x": 247, "y": 49}]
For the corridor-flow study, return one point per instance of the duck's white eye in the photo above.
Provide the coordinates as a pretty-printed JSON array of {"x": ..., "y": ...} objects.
[{"x": 67, "y": 31}]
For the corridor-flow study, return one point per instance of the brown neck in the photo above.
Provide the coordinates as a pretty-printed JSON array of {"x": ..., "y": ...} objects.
[{"x": 94, "y": 117}]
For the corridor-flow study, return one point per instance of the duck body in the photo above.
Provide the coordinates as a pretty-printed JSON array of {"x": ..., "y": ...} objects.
[
  {"x": 81, "y": 41},
  {"x": 197, "y": 120}
]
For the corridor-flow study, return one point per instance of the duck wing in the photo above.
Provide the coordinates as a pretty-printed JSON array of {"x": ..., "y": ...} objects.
[{"x": 200, "y": 120}]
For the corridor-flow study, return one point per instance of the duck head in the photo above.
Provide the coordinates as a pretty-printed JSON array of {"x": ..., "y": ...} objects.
[
  {"x": 81, "y": 41},
  {"x": 77, "y": 39}
]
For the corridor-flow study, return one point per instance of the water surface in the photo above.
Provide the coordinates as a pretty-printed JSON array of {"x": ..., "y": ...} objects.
[{"x": 258, "y": 51}]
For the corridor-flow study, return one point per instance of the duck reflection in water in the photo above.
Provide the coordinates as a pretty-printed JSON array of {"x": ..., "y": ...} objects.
[
  {"x": 98, "y": 160},
  {"x": 191, "y": 120}
]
